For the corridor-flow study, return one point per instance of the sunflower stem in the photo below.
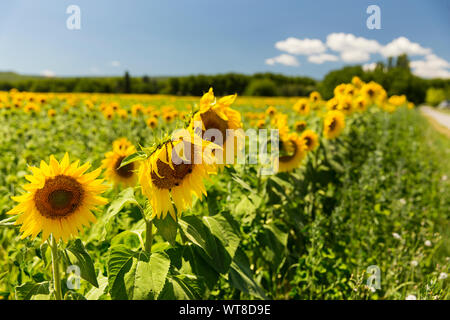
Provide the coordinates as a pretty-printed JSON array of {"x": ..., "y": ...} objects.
[
  {"x": 55, "y": 265},
  {"x": 148, "y": 236}
]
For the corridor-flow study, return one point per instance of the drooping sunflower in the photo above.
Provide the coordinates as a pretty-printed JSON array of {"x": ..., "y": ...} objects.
[
  {"x": 126, "y": 175},
  {"x": 172, "y": 174},
  {"x": 220, "y": 116},
  {"x": 310, "y": 139},
  {"x": 293, "y": 152},
  {"x": 333, "y": 124},
  {"x": 59, "y": 199}
]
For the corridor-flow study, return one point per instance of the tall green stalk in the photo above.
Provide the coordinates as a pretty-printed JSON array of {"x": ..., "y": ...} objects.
[{"x": 55, "y": 265}]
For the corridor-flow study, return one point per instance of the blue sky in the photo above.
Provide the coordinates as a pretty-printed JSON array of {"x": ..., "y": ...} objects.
[{"x": 180, "y": 37}]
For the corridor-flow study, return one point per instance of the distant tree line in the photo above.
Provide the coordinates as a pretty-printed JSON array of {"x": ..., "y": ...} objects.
[
  {"x": 267, "y": 84},
  {"x": 395, "y": 76}
]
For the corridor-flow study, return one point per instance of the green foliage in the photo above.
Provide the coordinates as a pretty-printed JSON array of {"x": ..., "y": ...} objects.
[
  {"x": 435, "y": 96},
  {"x": 262, "y": 87}
]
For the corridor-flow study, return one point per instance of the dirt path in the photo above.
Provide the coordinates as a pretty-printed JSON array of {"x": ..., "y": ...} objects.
[{"x": 440, "y": 117}]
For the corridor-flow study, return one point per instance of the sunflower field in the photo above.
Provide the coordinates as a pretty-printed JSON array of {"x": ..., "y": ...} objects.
[{"x": 94, "y": 204}]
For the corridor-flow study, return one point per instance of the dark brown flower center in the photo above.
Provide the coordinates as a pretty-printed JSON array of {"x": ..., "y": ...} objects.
[
  {"x": 168, "y": 177},
  {"x": 60, "y": 197},
  {"x": 211, "y": 120},
  {"x": 287, "y": 158},
  {"x": 308, "y": 141},
  {"x": 125, "y": 171},
  {"x": 332, "y": 124}
]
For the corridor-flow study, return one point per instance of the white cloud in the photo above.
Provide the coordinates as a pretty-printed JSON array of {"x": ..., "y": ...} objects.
[
  {"x": 284, "y": 59},
  {"x": 115, "y": 63},
  {"x": 431, "y": 67},
  {"x": 48, "y": 73},
  {"x": 352, "y": 48},
  {"x": 369, "y": 66},
  {"x": 301, "y": 46},
  {"x": 403, "y": 45},
  {"x": 355, "y": 56},
  {"x": 321, "y": 58}
]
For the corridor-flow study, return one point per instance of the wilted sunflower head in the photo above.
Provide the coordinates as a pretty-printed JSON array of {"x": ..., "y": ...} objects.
[
  {"x": 125, "y": 175},
  {"x": 59, "y": 199},
  {"x": 174, "y": 172},
  {"x": 333, "y": 124}
]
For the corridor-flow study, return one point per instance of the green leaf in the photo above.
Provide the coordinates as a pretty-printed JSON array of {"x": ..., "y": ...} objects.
[
  {"x": 135, "y": 275},
  {"x": 272, "y": 245},
  {"x": 241, "y": 277},
  {"x": 125, "y": 197},
  {"x": 119, "y": 263},
  {"x": 72, "y": 295},
  {"x": 149, "y": 276},
  {"x": 128, "y": 238},
  {"x": 194, "y": 229},
  {"x": 167, "y": 228},
  {"x": 200, "y": 265},
  {"x": 80, "y": 257},
  {"x": 226, "y": 230},
  {"x": 27, "y": 290},
  {"x": 97, "y": 293},
  {"x": 216, "y": 236},
  {"x": 140, "y": 155},
  {"x": 182, "y": 287}
]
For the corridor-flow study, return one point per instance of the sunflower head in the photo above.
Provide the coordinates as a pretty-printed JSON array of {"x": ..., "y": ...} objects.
[
  {"x": 125, "y": 175},
  {"x": 302, "y": 106},
  {"x": 333, "y": 124},
  {"x": 59, "y": 199},
  {"x": 293, "y": 152},
  {"x": 174, "y": 172},
  {"x": 271, "y": 111},
  {"x": 314, "y": 97},
  {"x": 310, "y": 139},
  {"x": 152, "y": 122},
  {"x": 300, "y": 126}
]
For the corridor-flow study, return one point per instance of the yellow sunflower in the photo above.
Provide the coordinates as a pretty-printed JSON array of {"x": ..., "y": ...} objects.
[
  {"x": 300, "y": 126},
  {"x": 311, "y": 140},
  {"x": 302, "y": 106},
  {"x": 294, "y": 150},
  {"x": 126, "y": 175},
  {"x": 220, "y": 116},
  {"x": 59, "y": 199},
  {"x": 152, "y": 122},
  {"x": 171, "y": 174},
  {"x": 270, "y": 111},
  {"x": 345, "y": 104},
  {"x": 333, "y": 124}
]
